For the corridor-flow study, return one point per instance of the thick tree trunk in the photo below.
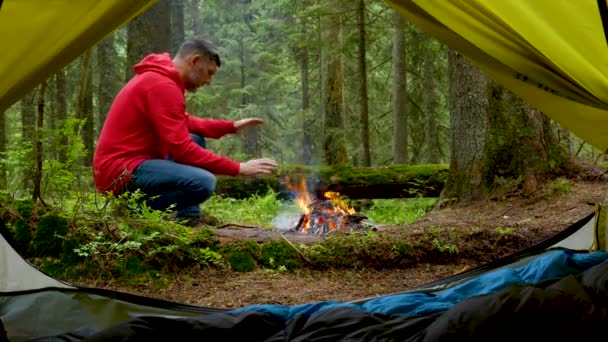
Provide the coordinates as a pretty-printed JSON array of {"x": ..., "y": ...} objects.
[
  {"x": 399, "y": 101},
  {"x": 61, "y": 106},
  {"x": 177, "y": 24},
  {"x": 84, "y": 108},
  {"x": 306, "y": 156},
  {"x": 150, "y": 32},
  {"x": 107, "y": 60},
  {"x": 28, "y": 116},
  {"x": 497, "y": 139},
  {"x": 470, "y": 126},
  {"x": 38, "y": 153},
  {"x": 334, "y": 145},
  {"x": 366, "y": 159},
  {"x": 195, "y": 12},
  {"x": 28, "y": 121},
  {"x": 250, "y": 136},
  {"x": 431, "y": 132}
]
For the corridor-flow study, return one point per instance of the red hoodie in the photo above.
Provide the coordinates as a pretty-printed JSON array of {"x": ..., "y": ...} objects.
[{"x": 148, "y": 121}]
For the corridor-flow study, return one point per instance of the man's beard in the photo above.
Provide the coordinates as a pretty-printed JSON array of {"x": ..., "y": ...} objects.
[{"x": 193, "y": 82}]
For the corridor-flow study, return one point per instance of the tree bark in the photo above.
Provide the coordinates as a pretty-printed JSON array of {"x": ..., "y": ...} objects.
[
  {"x": 251, "y": 144},
  {"x": 500, "y": 145},
  {"x": 306, "y": 156},
  {"x": 177, "y": 24},
  {"x": 195, "y": 11},
  {"x": 149, "y": 33},
  {"x": 61, "y": 106},
  {"x": 107, "y": 59},
  {"x": 28, "y": 116},
  {"x": 366, "y": 159},
  {"x": 38, "y": 146},
  {"x": 334, "y": 145},
  {"x": 84, "y": 108},
  {"x": 399, "y": 101},
  {"x": 431, "y": 135},
  {"x": 470, "y": 125}
]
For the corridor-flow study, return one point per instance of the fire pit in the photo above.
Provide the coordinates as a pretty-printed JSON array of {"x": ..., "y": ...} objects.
[{"x": 325, "y": 212}]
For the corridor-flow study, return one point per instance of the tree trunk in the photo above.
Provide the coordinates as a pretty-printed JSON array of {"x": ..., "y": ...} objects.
[
  {"x": 400, "y": 131},
  {"x": 334, "y": 145},
  {"x": 28, "y": 121},
  {"x": 431, "y": 132},
  {"x": 177, "y": 24},
  {"x": 497, "y": 139},
  {"x": 150, "y": 32},
  {"x": 84, "y": 108},
  {"x": 250, "y": 135},
  {"x": 28, "y": 116},
  {"x": 61, "y": 106},
  {"x": 306, "y": 156},
  {"x": 107, "y": 60},
  {"x": 469, "y": 121},
  {"x": 195, "y": 11},
  {"x": 366, "y": 159},
  {"x": 38, "y": 146}
]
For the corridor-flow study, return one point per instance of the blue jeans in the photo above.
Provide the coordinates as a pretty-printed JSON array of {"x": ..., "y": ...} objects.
[{"x": 165, "y": 182}]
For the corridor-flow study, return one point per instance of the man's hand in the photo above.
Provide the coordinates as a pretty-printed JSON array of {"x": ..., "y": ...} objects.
[
  {"x": 256, "y": 167},
  {"x": 248, "y": 122}
]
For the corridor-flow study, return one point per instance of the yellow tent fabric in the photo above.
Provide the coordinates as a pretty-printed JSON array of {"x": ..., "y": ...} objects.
[
  {"x": 39, "y": 37},
  {"x": 552, "y": 53}
]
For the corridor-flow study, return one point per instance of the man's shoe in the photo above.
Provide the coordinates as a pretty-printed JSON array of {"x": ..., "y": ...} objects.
[{"x": 203, "y": 220}]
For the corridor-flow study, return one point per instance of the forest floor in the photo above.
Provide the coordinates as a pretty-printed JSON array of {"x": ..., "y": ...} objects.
[{"x": 527, "y": 220}]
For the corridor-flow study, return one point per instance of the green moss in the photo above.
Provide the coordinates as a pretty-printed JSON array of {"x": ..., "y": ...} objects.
[
  {"x": 404, "y": 249},
  {"x": 48, "y": 239},
  {"x": 23, "y": 237},
  {"x": 24, "y": 207},
  {"x": 69, "y": 256},
  {"x": 242, "y": 255},
  {"x": 275, "y": 254},
  {"x": 241, "y": 261}
]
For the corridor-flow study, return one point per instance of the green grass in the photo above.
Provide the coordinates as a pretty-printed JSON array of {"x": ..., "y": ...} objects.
[
  {"x": 392, "y": 211},
  {"x": 261, "y": 210}
]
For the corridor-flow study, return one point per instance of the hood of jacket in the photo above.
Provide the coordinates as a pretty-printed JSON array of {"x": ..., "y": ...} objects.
[{"x": 162, "y": 64}]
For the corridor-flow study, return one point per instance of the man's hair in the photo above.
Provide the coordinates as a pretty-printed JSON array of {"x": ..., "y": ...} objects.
[{"x": 202, "y": 46}]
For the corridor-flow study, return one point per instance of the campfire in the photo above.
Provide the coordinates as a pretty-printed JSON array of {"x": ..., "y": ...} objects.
[{"x": 323, "y": 213}]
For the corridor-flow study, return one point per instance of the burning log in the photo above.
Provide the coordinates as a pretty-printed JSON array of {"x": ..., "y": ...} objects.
[
  {"x": 323, "y": 215},
  {"x": 323, "y": 218}
]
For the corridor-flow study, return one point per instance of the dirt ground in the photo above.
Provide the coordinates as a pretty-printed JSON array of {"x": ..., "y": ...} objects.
[{"x": 552, "y": 210}]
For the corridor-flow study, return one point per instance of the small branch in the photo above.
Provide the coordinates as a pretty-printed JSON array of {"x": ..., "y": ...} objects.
[
  {"x": 296, "y": 249},
  {"x": 227, "y": 225}
]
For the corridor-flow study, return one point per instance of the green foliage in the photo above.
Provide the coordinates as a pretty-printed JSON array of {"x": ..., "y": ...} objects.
[{"x": 562, "y": 185}]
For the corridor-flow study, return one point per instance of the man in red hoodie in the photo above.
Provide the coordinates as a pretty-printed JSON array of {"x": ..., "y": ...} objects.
[{"x": 149, "y": 142}]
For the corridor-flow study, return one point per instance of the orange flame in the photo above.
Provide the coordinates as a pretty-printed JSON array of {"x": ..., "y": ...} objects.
[{"x": 334, "y": 215}]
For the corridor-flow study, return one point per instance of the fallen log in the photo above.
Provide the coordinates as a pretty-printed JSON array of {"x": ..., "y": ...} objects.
[{"x": 395, "y": 181}]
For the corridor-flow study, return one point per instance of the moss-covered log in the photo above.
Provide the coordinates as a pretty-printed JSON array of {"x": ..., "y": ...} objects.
[{"x": 395, "y": 181}]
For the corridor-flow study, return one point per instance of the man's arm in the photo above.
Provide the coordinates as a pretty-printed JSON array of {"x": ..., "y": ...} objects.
[
  {"x": 210, "y": 128},
  {"x": 166, "y": 106}
]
